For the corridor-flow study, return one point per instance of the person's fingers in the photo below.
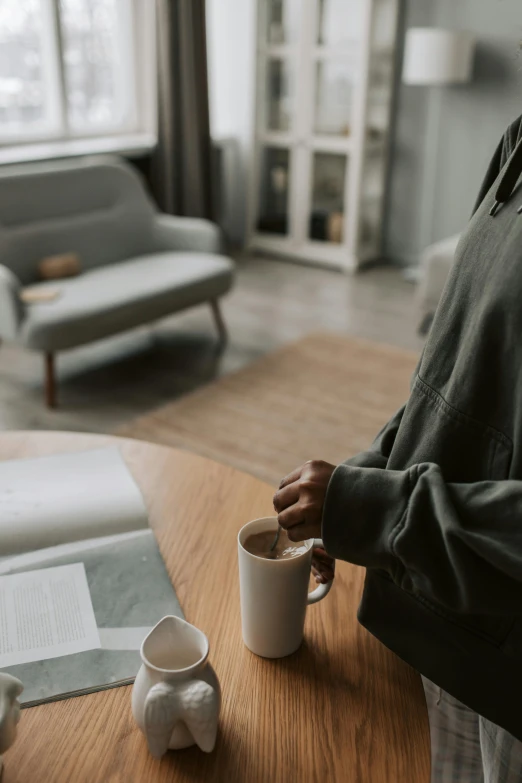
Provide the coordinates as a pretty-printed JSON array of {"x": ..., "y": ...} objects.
[
  {"x": 328, "y": 573},
  {"x": 300, "y": 533},
  {"x": 291, "y": 516},
  {"x": 318, "y": 577},
  {"x": 323, "y": 565},
  {"x": 297, "y": 527},
  {"x": 321, "y": 578},
  {"x": 328, "y": 576},
  {"x": 286, "y": 497},
  {"x": 321, "y": 556},
  {"x": 293, "y": 476},
  {"x": 320, "y": 569}
]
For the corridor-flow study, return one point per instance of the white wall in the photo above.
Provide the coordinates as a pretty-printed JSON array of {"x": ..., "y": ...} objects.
[
  {"x": 473, "y": 118},
  {"x": 231, "y": 57}
]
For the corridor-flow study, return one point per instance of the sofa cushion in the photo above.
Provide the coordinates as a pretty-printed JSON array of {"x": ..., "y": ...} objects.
[{"x": 120, "y": 296}]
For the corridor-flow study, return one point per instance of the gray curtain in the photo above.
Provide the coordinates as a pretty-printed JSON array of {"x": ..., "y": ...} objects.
[{"x": 182, "y": 163}]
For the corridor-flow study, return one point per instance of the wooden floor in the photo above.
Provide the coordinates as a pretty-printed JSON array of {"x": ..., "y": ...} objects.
[{"x": 104, "y": 386}]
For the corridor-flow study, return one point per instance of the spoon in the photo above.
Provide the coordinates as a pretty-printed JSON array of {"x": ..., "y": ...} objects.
[{"x": 276, "y": 539}]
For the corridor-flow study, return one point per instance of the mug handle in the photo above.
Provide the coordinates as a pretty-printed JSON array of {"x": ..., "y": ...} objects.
[{"x": 321, "y": 591}]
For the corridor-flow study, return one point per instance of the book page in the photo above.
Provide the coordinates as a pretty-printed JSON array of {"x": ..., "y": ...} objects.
[
  {"x": 46, "y": 614},
  {"x": 67, "y": 497},
  {"x": 74, "y": 551},
  {"x": 130, "y": 591}
]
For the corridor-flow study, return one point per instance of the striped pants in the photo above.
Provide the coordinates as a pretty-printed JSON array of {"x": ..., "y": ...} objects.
[{"x": 466, "y": 748}]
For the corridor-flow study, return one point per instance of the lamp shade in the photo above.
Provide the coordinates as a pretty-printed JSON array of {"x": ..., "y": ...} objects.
[{"x": 436, "y": 56}]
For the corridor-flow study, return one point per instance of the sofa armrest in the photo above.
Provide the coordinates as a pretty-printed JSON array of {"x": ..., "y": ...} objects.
[
  {"x": 180, "y": 233},
  {"x": 436, "y": 263},
  {"x": 11, "y": 308}
]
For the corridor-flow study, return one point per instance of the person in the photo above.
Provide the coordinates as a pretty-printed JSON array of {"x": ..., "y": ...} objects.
[{"x": 433, "y": 509}]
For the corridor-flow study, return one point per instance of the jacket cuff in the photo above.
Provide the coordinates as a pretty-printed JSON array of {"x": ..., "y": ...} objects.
[
  {"x": 363, "y": 507},
  {"x": 367, "y": 459}
]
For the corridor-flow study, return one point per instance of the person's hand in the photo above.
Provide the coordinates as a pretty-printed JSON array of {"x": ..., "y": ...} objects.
[
  {"x": 323, "y": 566},
  {"x": 300, "y": 499}
]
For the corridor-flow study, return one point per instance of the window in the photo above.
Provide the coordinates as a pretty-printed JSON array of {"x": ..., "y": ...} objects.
[{"x": 73, "y": 69}]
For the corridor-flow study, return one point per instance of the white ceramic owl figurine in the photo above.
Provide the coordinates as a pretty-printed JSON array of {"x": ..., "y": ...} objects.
[
  {"x": 10, "y": 690},
  {"x": 176, "y": 697}
]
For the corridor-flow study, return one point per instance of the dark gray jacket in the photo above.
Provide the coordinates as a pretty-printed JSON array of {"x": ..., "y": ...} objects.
[{"x": 434, "y": 509}]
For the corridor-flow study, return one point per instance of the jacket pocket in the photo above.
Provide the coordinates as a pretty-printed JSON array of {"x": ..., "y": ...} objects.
[{"x": 466, "y": 450}]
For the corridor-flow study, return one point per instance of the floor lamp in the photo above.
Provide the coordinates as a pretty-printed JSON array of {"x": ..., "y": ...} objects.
[{"x": 434, "y": 57}]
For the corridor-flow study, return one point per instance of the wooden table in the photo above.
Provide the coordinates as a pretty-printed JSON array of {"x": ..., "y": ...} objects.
[{"x": 341, "y": 709}]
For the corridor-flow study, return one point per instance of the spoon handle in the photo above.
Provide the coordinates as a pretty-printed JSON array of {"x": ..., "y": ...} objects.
[{"x": 276, "y": 539}]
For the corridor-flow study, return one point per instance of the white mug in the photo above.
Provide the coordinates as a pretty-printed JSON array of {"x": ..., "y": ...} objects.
[{"x": 274, "y": 595}]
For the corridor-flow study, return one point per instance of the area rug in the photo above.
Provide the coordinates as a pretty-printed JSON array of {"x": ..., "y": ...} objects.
[{"x": 324, "y": 397}]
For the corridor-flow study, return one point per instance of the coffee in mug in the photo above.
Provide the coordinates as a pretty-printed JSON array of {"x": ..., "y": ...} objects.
[
  {"x": 260, "y": 544},
  {"x": 274, "y": 589}
]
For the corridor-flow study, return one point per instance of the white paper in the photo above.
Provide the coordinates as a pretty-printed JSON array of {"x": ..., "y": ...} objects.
[
  {"x": 46, "y": 614},
  {"x": 66, "y": 497},
  {"x": 31, "y": 560}
]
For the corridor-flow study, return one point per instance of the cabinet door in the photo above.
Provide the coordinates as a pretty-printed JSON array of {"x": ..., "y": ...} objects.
[
  {"x": 381, "y": 58},
  {"x": 273, "y": 204},
  {"x": 339, "y": 23},
  {"x": 281, "y": 22},
  {"x": 327, "y": 197},
  {"x": 333, "y": 62},
  {"x": 324, "y": 80},
  {"x": 278, "y": 110},
  {"x": 279, "y": 41},
  {"x": 334, "y": 91}
]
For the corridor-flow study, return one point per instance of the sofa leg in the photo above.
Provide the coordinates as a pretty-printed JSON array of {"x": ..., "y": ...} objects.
[
  {"x": 220, "y": 322},
  {"x": 50, "y": 381}
]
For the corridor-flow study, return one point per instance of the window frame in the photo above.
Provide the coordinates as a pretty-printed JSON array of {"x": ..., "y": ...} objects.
[{"x": 140, "y": 125}]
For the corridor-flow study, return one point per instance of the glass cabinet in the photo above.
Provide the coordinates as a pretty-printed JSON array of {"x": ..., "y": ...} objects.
[{"x": 322, "y": 115}]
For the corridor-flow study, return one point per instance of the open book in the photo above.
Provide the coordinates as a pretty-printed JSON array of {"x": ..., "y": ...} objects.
[{"x": 82, "y": 580}]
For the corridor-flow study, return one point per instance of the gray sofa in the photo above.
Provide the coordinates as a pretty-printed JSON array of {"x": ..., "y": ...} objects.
[{"x": 137, "y": 265}]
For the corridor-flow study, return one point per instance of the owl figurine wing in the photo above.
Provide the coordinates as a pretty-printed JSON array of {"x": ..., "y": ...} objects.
[
  {"x": 200, "y": 713},
  {"x": 162, "y": 711},
  {"x": 195, "y": 703}
]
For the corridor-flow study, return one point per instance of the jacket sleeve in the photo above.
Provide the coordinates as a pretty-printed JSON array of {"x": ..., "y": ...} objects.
[
  {"x": 379, "y": 452},
  {"x": 459, "y": 545}
]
